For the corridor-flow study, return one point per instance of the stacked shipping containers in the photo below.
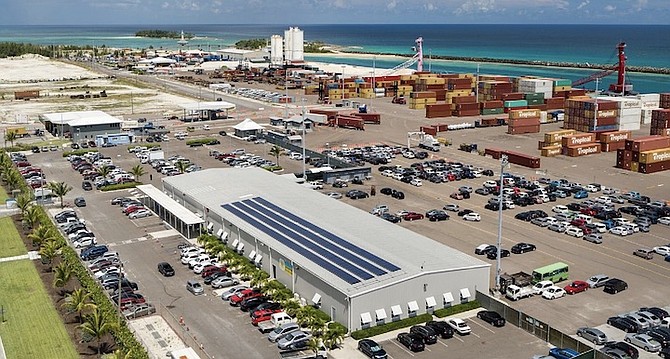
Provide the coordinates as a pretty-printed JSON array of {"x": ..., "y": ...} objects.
[
  {"x": 612, "y": 141},
  {"x": 551, "y": 146},
  {"x": 419, "y": 100},
  {"x": 664, "y": 100},
  {"x": 579, "y": 144},
  {"x": 530, "y": 85},
  {"x": 648, "y": 102},
  {"x": 523, "y": 121},
  {"x": 645, "y": 155},
  {"x": 580, "y": 115},
  {"x": 629, "y": 112},
  {"x": 660, "y": 122}
]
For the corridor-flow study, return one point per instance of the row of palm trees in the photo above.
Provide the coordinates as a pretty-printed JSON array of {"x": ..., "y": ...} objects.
[
  {"x": 51, "y": 246},
  {"x": 324, "y": 331}
]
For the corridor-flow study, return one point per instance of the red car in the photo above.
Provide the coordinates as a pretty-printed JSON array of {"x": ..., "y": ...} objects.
[
  {"x": 132, "y": 209},
  {"x": 577, "y": 286},
  {"x": 586, "y": 230},
  {"x": 245, "y": 294},
  {"x": 588, "y": 211},
  {"x": 263, "y": 315},
  {"x": 412, "y": 216},
  {"x": 209, "y": 270},
  {"x": 127, "y": 302},
  {"x": 578, "y": 222}
]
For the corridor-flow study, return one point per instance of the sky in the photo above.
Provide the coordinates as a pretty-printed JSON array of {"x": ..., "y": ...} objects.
[{"x": 167, "y": 12}]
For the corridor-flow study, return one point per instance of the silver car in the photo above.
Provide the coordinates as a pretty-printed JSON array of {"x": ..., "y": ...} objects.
[
  {"x": 593, "y": 335},
  {"x": 223, "y": 282},
  {"x": 593, "y": 238},
  {"x": 293, "y": 337},
  {"x": 641, "y": 321},
  {"x": 650, "y": 317},
  {"x": 232, "y": 291},
  {"x": 643, "y": 341},
  {"x": 282, "y": 330},
  {"x": 597, "y": 280}
]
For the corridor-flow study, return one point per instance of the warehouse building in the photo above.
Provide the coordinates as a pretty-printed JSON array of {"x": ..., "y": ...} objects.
[
  {"x": 361, "y": 270},
  {"x": 84, "y": 126}
]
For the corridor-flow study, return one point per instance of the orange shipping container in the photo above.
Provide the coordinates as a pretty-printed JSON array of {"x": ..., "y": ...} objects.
[
  {"x": 660, "y": 155},
  {"x": 582, "y": 150},
  {"x": 615, "y": 136},
  {"x": 526, "y": 113},
  {"x": 551, "y": 151},
  {"x": 578, "y": 140}
]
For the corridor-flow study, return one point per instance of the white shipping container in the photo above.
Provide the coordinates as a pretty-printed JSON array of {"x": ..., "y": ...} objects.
[
  {"x": 629, "y": 126},
  {"x": 630, "y": 111},
  {"x": 649, "y": 97},
  {"x": 651, "y": 104},
  {"x": 543, "y": 116},
  {"x": 629, "y": 119}
]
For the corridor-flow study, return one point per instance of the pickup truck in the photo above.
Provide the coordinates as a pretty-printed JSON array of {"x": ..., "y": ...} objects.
[
  {"x": 276, "y": 320},
  {"x": 514, "y": 292}
]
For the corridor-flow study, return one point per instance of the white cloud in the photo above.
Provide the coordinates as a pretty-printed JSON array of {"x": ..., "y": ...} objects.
[
  {"x": 584, "y": 3},
  {"x": 340, "y": 4},
  {"x": 429, "y": 6},
  {"x": 640, "y": 5},
  {"x": 473, "y": 6},
  {"x": 391, "y": 5},
  {"x": 610, "y": 8}
]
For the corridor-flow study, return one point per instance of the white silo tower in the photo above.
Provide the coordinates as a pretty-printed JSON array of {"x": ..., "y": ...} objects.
[
  {"x": 293, "y": 44},
  {"x": 276, "y": 50}
]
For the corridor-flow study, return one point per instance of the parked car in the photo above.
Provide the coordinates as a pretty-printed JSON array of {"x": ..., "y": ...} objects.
[
  {"x": 563, "y": 353},
  {"x": 195, "y": 287},
  {"x": 624, "y": 347},
  {"x": 614, "y": 286},
  {"x": 643, "y": 341},
  {"x": 165, "y": 269},
  {"x": 553, "y": 292},
  {"x": 139, "y": 310},
  {"x": 223, "y": 282},
  {"x": 371, "y": 349},
  {"x": 624, "y": 324},
  {"x": 596, "y": 238},
  {"x": 522, "y": 248},
  {"x": 491, "y": 317},
  {"x": 80, "y": 202},
  {"x": 493, "y": 253},
  {"x": 597, "y": 280},
  {"x": 411, "y": 216},
  {"x": 436, "y": 215},
  {"x": 425, "y": 332},
  {"x": 577, "y": 286},
  {"x": 484, "y": 248},
  {"x": 443, "y": 329},
  {"x": 459, "y": 326},
  {"x": 593, "y": 335},
  {"x": 291, "y": 338},
  {"x": 413, "y": 342},
  {"x": 645, "y": 253},
  {"x": 473, "y": 216}
]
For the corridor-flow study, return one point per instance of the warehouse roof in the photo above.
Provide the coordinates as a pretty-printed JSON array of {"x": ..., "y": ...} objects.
[
  {"x": 207, "y": 106},
  {"x": 170, "y": 204},
  {"x": 351, "y": 250},
  {"x": 80, "y": 118}
]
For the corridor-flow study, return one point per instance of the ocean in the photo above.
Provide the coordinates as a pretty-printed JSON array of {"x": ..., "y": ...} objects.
[{"x": 594, "y": 44}]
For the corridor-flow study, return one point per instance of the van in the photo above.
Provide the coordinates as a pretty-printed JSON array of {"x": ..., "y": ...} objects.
[{"x": 645, "y": 253}]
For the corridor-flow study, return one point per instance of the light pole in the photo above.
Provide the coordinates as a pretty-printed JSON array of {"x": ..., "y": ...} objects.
[
  {"x": 343, "y": 67},
  {"x": 503, "y": 163},
  {"x": 119, "y": 290},
  {"x": 328, "y": 153},
  {"x": 304, "y": 137}
]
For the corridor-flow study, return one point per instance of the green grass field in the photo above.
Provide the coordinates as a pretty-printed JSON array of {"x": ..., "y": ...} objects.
[
  {"x": 10, "y": 242},
  {"x": 32, "y": 327},
  {"x": 3, "y": 196}
]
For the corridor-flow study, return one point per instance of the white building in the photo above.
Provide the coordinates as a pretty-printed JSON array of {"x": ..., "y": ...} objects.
[
  {"x": 276, "y": 50},
  {"x": 294, "y": 45}
]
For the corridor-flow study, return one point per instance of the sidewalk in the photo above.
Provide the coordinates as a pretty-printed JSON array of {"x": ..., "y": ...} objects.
[
  {"x": 349, "y": 347},
  {"x": 32, "y": 255},
  {"x": 156, "y": 336}
]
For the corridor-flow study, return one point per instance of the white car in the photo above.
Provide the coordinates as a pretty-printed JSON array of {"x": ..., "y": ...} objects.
[
  {"x": 198, "y": 268},
  {"x": 664, "y": 220},
  {"x": 472, "y": 216},
  {"x": 553, "y": 292},
  {"x": 140, "y": 214},
  {"x": 559, "y": 208},
  {"x": 662, "y": 250},
  {"x": 85, "y": 242},
  {"x": 189, "y": 257},
  {"x": 619, "y": 231},
  {"x": 590, "y": 188},
  {"x": 490, "y": 184},
  {"x": 459, "y": 326},
  {"x": 335, "y": 195},
  {"x": 540, "y": 287},
  {"x": 575, "y": 232},
  {"x": 401, "y": 213},
  {"x": 387, "y": 173},
  {"x": 416, "y": 182}
]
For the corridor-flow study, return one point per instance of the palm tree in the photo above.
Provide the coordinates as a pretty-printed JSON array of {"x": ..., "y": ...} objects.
[
  {"x": 23, "y": 202},
  {"x": 60, "y": 189},
  {"x": 334, "y": 335},
  {"x": 49, "y": 251},
  {"x": 314, "y": 344},
  {"x": 11, "y": 136},
  {"x": 305, "y": 315},
  {"x": 32, "y": 216},
  {"x": 181, "y": 166},
  {"x": 277, "y": 151},
  {"x": 104, "y": 171},
  {"x": 79, "y": 301},
  {"x": 259, "y": 278},
  {"x": 62, "y": 276},
  {"x": 96, "y": 326},
  {"x": 291, "y": 306},
  {"x": 41, "y": 235},
  {"x": 138, "y": 171},
  {"x": 12, "y": 178},
  {"x": 246, "y": 270},
  {"x": 120, "y": 354}
]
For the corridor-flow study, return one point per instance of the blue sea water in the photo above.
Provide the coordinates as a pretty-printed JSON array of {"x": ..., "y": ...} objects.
[{"x": 595, "y": 44}]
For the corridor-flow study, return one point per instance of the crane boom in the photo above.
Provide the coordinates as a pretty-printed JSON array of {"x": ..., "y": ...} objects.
[{"x": 593, "y": 77}]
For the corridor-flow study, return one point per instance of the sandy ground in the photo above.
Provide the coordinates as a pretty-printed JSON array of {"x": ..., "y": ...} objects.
[{"x": 57, "y": 81}]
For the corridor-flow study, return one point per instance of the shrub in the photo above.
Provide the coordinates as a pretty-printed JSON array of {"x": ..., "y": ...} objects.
[
  {"x": 273, "y": 168},
  {"x": 78, "y": 152},
  {"x": 199, "y": 141},
  {"x": 389, "y": 327},
  {"x": 445, "y": 312},
  {"x": 147, "y": 145},
  {"x": 113, "y": 187}
]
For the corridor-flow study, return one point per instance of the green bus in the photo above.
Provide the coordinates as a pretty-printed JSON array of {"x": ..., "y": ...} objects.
[{"x": 554, "y": 272}]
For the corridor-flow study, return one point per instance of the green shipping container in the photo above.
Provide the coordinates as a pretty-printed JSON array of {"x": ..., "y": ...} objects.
[
  {"x": 535, "y": 102},
  {"x": 534, "y": 96},
  {"x": 516, "y": 103},
  {"x": 562, "y": 82},
  {"x": 493, "y": 111}
]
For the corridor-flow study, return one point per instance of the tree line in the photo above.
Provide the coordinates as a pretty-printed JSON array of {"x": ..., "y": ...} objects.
[{"x": 163, "y": 34}]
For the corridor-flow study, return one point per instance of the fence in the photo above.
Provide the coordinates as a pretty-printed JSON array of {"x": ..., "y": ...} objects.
[
  {"x": 282, "y": 142},
  {"x": 537, "y": 327},
  {"x": 182, "y": 330}
]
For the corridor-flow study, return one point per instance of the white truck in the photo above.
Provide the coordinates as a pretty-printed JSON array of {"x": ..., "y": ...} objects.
[
  {"x": 429, "y": 142},
  {"x": 276, "y": 320},
  {"x": 514, "y": 292}
]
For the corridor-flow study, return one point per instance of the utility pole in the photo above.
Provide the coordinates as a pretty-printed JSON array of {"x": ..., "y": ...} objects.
[{"x": 503, "y": 163}]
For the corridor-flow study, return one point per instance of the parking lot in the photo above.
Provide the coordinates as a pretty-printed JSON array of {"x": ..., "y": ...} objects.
[{"x": 223, "y": 329}]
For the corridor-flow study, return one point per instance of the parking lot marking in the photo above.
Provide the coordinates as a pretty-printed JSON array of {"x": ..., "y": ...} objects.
[
  {"x": 443, "y": 343},
  {"x": 475, "y": 334},
  {"x": 401, "y": 347},
  {"x": 481, "y": 325},
  {"x": 461, "y": 340}
]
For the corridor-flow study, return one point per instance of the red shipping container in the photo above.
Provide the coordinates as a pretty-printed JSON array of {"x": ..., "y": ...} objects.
[
  {"x": 538, "y": 107},
  {"x": 614, "y": 136},
  {"x": 612, "y": 146},
  {"x": 522, "y": 159},
  {"x": 660, "y": 131},
  {"x": 492, "y": 104},
  {"x": 464, "y": 99},
  {"x": 653, "y": 167},
  {"x": 467, "y": 106},
  {"x": 518, "y": 130},
  {"x": 431, "y": 130},
  {"x": 512, "y": 96},
  {"x": 493, "y": 152},
  {"x": 647, "y": 143},
  {"x": 521, "y": 122},
  {"x": 578, "y": 140}
]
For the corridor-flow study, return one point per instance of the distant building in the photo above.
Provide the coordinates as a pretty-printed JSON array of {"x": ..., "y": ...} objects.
[
  {"x": 294, "y": 45},
  {"x": 82, "y": 126},
  {"x": 233, "y": 54},
  {"x": 276, "y": 50}
]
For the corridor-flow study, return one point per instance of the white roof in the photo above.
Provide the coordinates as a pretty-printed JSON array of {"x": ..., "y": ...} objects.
[
  {"x": 380, "y": 313},
  {"x": 232, "y": 50},
  {"x": 170, "y": 204},
  {"x": 81, "y": 118},
  {"x": 204, "y": 106},
  {"x": 396, "y": 310},
  {"x": 366, "y": 318},
  {"x": 158, "y": 60},
  {"x": 248, "y": 125},
  {"x": 448, "y": 298},
  {"x": 412, "y": 306}
]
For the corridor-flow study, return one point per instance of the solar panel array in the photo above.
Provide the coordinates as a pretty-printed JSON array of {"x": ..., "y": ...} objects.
[{"x": 329, "y": 251}]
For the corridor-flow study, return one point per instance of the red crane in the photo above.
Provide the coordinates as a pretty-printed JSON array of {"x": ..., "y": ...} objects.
[{"x": 620, "y": 67}]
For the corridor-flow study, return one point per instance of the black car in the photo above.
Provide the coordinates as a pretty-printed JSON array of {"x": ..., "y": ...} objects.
[
  {"x": 624, "y": 324},
  {"x": 413, "y": 342},
  {"x": 426, "y": 333},
  {"x": 463, "y": 212},
  {"x": 624, "y": 347},
  {"x": 443, "y": 329},
  {"x": 251, "y": 303},
  {"x": 371, "y": 349},
  {"x": 386, "y": 191},
  {"x": 339, "y": 184},
  {"x": 522, "y": 248},
  {"x": 665, "y": 353},
  {"x": 493, "y": 254},
  {"x": 487, "y": 173},
  {"x": 437, "y": 215},
  {"x": 210, "y": 278},
  {"x": 80, "y": 202},
  {"x": 222, "y": 133},
  {"x": 491, "y": 317},
  {"x": 483, "y": 191},
  {"x": 214, "y": 142},
  {"x": 165, "y": 269},
  {"x": 614, "y": 286},
  {"x": 356, "y": 194},
  {"x": 655, "y": 311},
  {"x": 87, "y": 186},
  {"x": 390, "y": 217},
  {"x": 125, "y": 283},
  {"x": 398, "y": 194}
]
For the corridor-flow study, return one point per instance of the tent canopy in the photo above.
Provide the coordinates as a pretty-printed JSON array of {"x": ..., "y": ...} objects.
[{"x": 248, "y": 125}]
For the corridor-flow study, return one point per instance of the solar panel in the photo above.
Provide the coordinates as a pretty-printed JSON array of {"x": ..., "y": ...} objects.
[
  {"x": 289, "y": 243},
  {"x": 302, "y": 238},
  {"x": 331, "y": 249},
  {"x": 336, "y": 239}
]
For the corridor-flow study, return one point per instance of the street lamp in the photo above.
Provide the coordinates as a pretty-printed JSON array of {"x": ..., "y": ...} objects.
[
  {"x": 304, "y": 137},
  {"x": 343, "y": 67},
  {"x": 504, "y": 161}
]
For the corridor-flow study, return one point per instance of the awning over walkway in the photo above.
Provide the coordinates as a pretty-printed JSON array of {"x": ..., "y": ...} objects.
[{"x": 170, "y": 205}]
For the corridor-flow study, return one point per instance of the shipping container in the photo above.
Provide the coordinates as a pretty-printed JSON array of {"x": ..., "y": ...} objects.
[
  {"x": 493, "y": 152},
  {"x": 611, "y": 146},
  {"x": 578, "y": 139},
  {"x": 524, "y": 113},
  {"x": 660, "y": 155},
  {"x": 518, "y": 130},
  {"x": 555, "y": 136},
  {"x": 582, "y": 150},
  {"x": 614, "y": 136},
  {"x": 654, "y": 167},
  {"x": 520, "y": 122},
  {"x": 522, "y": 159},
  {"x": 550, "y": 151},
  {"x": 648, "y": 143}
]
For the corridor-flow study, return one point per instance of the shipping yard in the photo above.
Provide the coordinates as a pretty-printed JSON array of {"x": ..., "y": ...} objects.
[{"x": 548, "y": 129}]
